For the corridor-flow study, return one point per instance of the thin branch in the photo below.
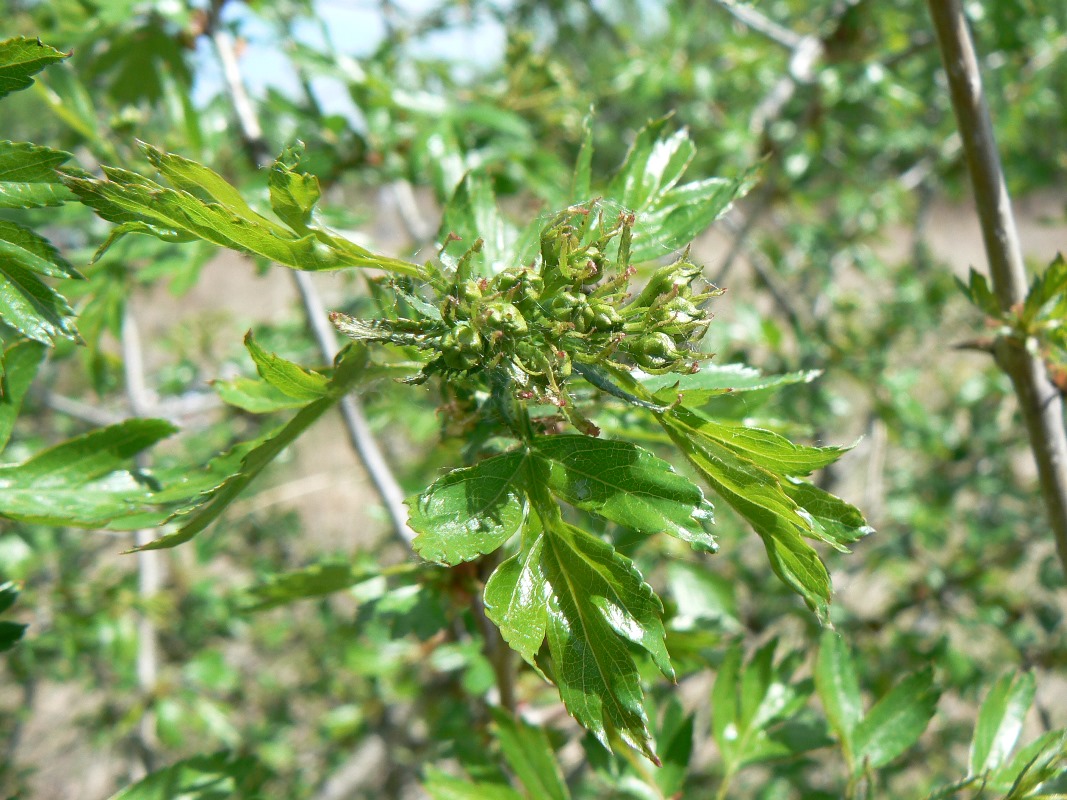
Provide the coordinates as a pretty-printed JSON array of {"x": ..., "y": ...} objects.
[
  {"x": 760, "y": 23},
  {"x": 1039, "y": 400},
  {"x": 359, "y": 432},
  {"x": 149, "y": 565}
]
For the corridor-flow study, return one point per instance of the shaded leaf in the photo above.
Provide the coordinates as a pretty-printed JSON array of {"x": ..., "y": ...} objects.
[
  {"x": 472, "y": 215},
  {"x": 628, "y": 485},
  {"x": 18, "y": 367},
  {"x": 978, "y": 292},
  {"x": 527, "y": 751},
  {"x": 19, "y": 245},
  {"x": 896, "y": 721},
  {"x": 216, "y": 777},
  {"x": 316, "y": 580},
  {"x": 442, "y": 786},
  {"x": 10, "y": 632},
  {"x": 1046, "y": 292},
  {"x": 470, "y": 511}
]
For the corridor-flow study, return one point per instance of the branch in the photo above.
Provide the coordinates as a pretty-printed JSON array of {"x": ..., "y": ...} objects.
[
  {"x": 149, "y": 564},
  {"x": 1039, "y": 400},
  {"x": 359, "y": 432}
]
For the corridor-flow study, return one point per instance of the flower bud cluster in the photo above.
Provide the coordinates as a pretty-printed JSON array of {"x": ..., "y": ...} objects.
[{"x": 574, "y": 306}]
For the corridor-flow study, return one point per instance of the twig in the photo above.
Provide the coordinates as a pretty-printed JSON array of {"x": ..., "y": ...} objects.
[
  {"x": 762, "y": 24},
  {"x": 359, "y": 432},
  {"x": 1039, "y": 400},
  {"x": 149, "y": 565}
]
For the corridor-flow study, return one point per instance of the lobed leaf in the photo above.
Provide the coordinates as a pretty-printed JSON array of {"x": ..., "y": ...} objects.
[
  {"x": 21, "y": 59},
  {"x": 254, "y": 396},
  {"x": 28, "y": 177},
  {"x": 470, "y": 511},
  {"x": 83, "y": 481},
  {"x": 1046, "y": 292},
  {"x": 756, "y": 493},
  {"x": 588, "y": 600},
  {"x": 978, "y": 292},
  {"x": 140, "y": 205},
  {"x": 293, "y": 194},
  {"x": 713, "y": 381},
  {"x": 628, "y": 485}
]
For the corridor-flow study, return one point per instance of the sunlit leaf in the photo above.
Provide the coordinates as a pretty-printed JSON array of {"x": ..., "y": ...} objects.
[
  {"x": 288, "y": 378},
  {"x": 628, "y": 485},
  {"x": 19, "y": 365},
  {"x": 471, "y": 511},
  {"x": 28, "y": 177},
  {"x": 21, "y": 59},
  {"x": 1000, "y": 721}
]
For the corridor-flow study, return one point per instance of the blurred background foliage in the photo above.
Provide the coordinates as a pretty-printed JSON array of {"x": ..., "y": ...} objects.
[{"x": 837, "y": 261}]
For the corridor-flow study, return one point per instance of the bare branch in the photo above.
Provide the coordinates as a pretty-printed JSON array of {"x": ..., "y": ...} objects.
[{"x": 1039, "y": 400}]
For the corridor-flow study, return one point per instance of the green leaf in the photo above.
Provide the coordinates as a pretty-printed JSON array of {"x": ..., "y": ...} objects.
[
  {"x": 28, "y": 177},
  {"x": 516, "y": 596},
  {"x": 527, "y": 751},
  {"x": 756, "y": 494},
  {"x": 314, "y": 581},
  {"x": 581, "y": 180},
  {"x": 1000, "y": 721},
  {"x": 674, "y": 743},
  {"x": 978, "y": 292},
  {"x": 254, "y": 396},
  {"x": 19, "y": 245},
  {"x": 194, "y": 520},
  {"x": 669, "y": 215},
  {"x": 441, "y": 786},
  {"x": 833, "y": 520},
  {"x": 33, "y": 308},
  {"x": 628, "y": 485},
  {"x": 18, "y": 367},
  {"x": 293, "y": 195},
  {"x": 896, "y": 721},
  {"x": 1046, "y": 291},
  {"x": 140, "y": 205},
  {"x": 713, "y": 381},
  {"x": 751, "y": 703},
  {"x": 769, "y": 450},
  {"x": 200, "y": 778},
  {"x": 82, "y": 481},
  {"x": 21, "y": 59},
  {"x": 838, "y": 688},
  {"x": 10, "y": 632},
  {"x": 597, "y": 600},
  {"x": 472, "y": 215},
  {"x": 254, "y": 459},
  {"x": 290, "y": 379},
  {"x": 1041, "y": 760},
  {"x": 471, "y": 511}
]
